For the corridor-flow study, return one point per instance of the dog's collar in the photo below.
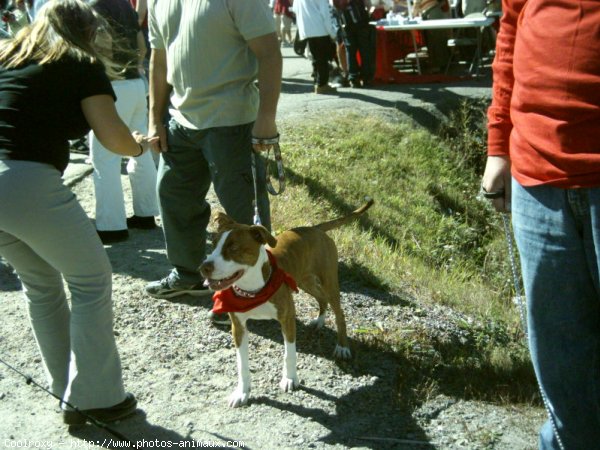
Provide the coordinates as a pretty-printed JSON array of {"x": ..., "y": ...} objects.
[
  {"x": 251, "y": 294},
  {"x": 228, "y": 300}
]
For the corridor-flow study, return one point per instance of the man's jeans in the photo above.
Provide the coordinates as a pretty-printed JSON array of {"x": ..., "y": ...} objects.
[
  {"x": 558, "y": 236},
  {"x": 194, "y": 159},
  {"x": 361, "y": 40}
]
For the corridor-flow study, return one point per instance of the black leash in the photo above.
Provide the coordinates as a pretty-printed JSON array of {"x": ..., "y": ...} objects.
[
  {"x": 274, "y": 143},
  {"x": 30, "y": 381}
]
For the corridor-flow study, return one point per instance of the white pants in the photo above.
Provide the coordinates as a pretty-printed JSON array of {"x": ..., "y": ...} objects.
[
  {"x": 46, "y": 236},
  {"x": 110, "y": 203}
]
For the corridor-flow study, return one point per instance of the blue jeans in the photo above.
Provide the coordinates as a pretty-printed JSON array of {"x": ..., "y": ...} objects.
[
  {"x": 361, "y": 40},
  {"x": 197, "y": 158},
  {"x": 558, "y": 235}
]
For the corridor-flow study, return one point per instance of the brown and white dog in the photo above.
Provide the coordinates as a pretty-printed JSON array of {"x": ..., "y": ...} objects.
[{"x": 248, "y": 265}]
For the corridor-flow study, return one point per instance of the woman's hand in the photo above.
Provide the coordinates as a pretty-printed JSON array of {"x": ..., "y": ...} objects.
[{"x": 143, "y": 141}]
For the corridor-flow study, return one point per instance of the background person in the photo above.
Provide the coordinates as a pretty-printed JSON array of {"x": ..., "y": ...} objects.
[
  {"x": 128, "y": 50},
  {"x": 51, "y": 79},
  {"x": 204, "y": 65},
  {"x": 359, "y": 38},
  {"x": 544, "y": 160},
  {"x": 436, "y": 40},
  {"x": 283, "y": 21},
  {"x": 315, "y": 24}
]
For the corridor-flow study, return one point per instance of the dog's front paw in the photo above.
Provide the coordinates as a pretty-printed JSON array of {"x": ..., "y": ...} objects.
[
  {"x": 238, "y": 398},
  {"x": 289, "y": 384},
  {"x": 342, "y": 352}
]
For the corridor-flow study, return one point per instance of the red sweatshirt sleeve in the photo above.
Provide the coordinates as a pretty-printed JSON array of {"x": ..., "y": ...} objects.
[{"x": 499, "y": 122}]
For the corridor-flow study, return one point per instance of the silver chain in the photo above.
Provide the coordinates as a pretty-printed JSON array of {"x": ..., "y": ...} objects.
[{"x": 515, "y": 273}]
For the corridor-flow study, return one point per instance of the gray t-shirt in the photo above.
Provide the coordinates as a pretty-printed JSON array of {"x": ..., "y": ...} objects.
[{"x": 209, "y": 64}]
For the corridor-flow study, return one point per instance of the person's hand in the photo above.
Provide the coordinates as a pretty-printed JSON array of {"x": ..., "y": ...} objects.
[
  {"x": 157, "y": 136},
  {"x": 495, "y": 184},
  {"x": 145, "y": 142},
  {"x": 264, "y": 129}
]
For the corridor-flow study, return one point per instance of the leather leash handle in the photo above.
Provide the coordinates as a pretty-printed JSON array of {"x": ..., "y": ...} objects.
[
  {"x": 280, "y": 171},
  {"x": 274, "y": 142}
]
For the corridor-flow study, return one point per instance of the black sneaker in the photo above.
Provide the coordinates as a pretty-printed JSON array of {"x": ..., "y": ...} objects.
[
  {"x": 142, "y": 223},
  {"x": 80, "y": 145},
  {"x": 112, "y": 237},
  {"x": 219, "y": 319},
  {"x": 169, "y": 287},
  {"x": 111, "y": 414}
]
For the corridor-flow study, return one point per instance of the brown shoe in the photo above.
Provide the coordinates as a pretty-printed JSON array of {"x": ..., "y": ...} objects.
[
  {"x": 111, "y": 414},
  {"x": 325, "y": 89}
]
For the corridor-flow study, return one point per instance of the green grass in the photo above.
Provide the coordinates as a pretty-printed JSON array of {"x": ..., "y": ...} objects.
[{"x": 427, "y": 238}]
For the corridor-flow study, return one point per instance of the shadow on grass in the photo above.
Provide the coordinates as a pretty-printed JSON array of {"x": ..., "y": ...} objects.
[{"x": 319, "y": 191}]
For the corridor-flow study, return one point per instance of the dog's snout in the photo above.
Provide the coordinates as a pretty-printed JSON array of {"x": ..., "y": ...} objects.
[{"x": 207, "y": 268}]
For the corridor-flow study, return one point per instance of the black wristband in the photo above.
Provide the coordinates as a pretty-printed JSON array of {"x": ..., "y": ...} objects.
[{"x": 492, "y": 195}]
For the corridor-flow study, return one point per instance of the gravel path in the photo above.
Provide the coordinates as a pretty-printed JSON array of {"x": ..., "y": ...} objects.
[{"x": 182, "y": 369}]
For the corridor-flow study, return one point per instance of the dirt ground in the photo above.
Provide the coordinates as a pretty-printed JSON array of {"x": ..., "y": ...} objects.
[{"x": 182, "y": 369}]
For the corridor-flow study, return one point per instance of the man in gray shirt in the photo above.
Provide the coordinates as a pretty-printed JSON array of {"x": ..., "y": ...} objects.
[{"x": 206, "y": 56}]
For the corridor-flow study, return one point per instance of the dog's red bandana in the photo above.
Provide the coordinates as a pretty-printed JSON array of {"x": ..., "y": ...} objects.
[{"x": 228, "y": 301}]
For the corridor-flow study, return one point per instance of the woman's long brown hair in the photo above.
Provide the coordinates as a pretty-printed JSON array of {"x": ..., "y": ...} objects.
[{"x": 61, "y": 28}]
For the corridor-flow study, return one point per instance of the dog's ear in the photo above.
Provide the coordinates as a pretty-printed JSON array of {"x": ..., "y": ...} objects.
[
  {"x": 262, "y": 235},
  {"x": 223, "y": 222}
]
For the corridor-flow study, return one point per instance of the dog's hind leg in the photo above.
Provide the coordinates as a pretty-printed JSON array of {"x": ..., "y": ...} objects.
[
  {"x": 312, "y": 286},
  {"x": 289, "y": 380},
  {"x": 240, "y": 396},
  {"x": 329, "y": 294},
  {"x": 319, "y": 321},
  {"x": 342, "y": 349}
]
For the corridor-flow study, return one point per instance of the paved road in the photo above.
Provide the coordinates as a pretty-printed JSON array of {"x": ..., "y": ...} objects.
[{"x": 424, "y": 103}]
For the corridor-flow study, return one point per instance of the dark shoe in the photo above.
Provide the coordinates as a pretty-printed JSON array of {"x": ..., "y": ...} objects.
[
  {"x": 219, "y": 319},
  {"x": 169, "y": 287},
  {"x": 325, "y": 89},
  {"x": 111, "y": 237},
  {"x": 355, "y": 84},
  {"x": 368, "y": 84},
  {"x": 141, "y": 222},
  {"x": 344, "y": 82},
  {"x": 80, "y": 146},
  {"x": 111, "y": 414}
]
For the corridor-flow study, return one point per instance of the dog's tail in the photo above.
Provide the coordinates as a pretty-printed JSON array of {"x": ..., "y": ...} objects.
[{"x": 335, "y": 223}]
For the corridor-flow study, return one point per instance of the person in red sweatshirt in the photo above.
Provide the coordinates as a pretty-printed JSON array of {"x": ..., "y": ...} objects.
[{"x": 544, "y": 165}]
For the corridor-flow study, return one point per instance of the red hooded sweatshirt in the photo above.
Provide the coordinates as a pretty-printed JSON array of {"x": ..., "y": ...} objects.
[{"x": 545, "y": 108}]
